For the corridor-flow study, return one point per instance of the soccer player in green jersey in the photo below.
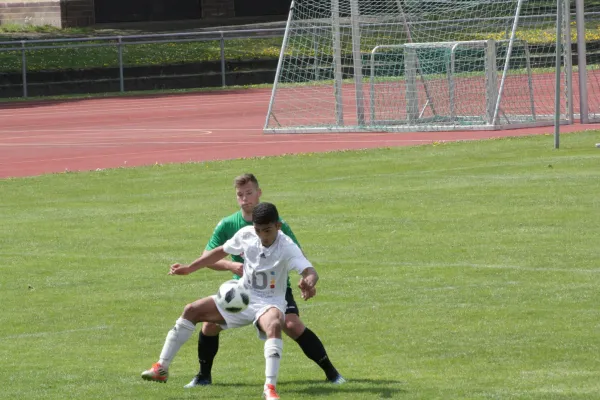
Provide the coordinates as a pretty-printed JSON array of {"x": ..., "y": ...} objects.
[{"x": 248, "y": 195}]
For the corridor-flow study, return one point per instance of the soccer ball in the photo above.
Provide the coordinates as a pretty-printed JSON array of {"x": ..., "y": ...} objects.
[{"x": 233, "y": 297}]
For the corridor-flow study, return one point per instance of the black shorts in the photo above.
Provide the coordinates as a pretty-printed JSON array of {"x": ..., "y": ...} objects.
[{"x": 292, "y": 307}]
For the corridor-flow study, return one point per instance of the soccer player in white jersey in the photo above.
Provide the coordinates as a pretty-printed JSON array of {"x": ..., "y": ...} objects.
[
  {"x": 269, "y": 255},
  {"x": 248, "y": 194}
]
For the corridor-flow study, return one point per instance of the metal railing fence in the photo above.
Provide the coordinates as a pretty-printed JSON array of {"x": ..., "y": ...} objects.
[{"x": 121, "y": 41}]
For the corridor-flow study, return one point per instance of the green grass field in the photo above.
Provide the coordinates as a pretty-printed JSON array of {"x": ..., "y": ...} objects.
[{"x": 450, "y": 271}]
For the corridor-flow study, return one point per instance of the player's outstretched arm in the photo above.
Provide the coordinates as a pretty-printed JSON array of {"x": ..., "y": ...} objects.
[
  {"x": 226, "y": 265},
  {"x": 307, "y": 283},
  {"x": 207, "y": 258}
]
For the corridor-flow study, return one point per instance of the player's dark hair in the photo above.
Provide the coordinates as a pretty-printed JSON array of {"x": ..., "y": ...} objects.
[
  {"x": 243, "y": 179},
  {"x": 265, "y": 213}
]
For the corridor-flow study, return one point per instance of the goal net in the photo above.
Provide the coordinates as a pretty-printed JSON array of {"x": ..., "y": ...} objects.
[{"x": 419, "y": 65}]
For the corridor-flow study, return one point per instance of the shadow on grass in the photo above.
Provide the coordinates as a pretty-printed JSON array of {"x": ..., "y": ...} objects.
[{"x": 385, "y": 389}]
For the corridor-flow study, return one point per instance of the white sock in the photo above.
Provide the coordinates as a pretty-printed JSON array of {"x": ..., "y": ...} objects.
[
  {"x": 273, "y": 353},
  {"x": 176, "y": 337}
]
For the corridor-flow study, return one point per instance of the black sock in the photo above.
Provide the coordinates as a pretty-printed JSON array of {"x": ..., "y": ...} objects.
[
  {"x": 313, "y": 348},
  {"x": 207, "y": 350}
]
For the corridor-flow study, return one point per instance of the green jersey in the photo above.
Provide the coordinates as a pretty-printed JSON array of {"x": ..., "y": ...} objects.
[{"x": 228, "y": 227}]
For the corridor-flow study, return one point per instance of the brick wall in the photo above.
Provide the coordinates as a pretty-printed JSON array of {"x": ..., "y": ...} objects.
[
  {"x": 31, "y": 12},
  {"x": 71, "y": 13},
  {"x": 59, "y": 13},
  {"x": 218, "y": 9}
]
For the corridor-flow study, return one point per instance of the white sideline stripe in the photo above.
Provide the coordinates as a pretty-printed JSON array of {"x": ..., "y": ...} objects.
[
  {"x": 82, "y": 137},
  {"x": 120, "y": 102},
  {"x": 42, "y": 334},
  {"x": 121, "y": 109},
  {"x": 114, "y": 102},
  {"x": 109, "y": 128},
  {"x": 475, "y": 266},
  {"x": 124, "y": 135},
  {"x": 109, "y": 131},
  {"x": 101, "y": 130},
  {"x": 136, "y": 119},
  {"x": 232, "y": 143}
]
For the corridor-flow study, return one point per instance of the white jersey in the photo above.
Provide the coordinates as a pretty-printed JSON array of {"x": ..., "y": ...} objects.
[{"x": 266, "y": 268}]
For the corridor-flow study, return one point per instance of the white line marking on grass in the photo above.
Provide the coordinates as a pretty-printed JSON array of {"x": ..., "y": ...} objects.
[
  {"x": 514, "y": 267},
  {"x": 42, "y": 334},
  {"x": 471, "y": 265},
  {"x": 483, "y": 166}
]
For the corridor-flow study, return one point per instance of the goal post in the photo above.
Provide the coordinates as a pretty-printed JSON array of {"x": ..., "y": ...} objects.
[{"x": 418, "y": 65}]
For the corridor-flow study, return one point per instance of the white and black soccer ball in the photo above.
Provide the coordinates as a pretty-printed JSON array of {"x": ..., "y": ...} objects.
[{"x": 233, "y": 297}]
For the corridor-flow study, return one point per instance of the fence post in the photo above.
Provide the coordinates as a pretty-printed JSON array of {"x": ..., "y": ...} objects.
[
  {"x": 24, "y": 68},
  {"x": 121, "y": 78},
  {"x": 222, "y": 43}
]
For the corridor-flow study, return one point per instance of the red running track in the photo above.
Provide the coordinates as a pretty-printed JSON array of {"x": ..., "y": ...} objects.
[{"x": 76, "y": 135}]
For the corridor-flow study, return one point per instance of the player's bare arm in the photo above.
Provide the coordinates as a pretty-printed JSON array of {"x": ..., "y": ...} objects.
[
  {"x": 227, "y": 265},
  {"x": 207, "y": 258}
]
